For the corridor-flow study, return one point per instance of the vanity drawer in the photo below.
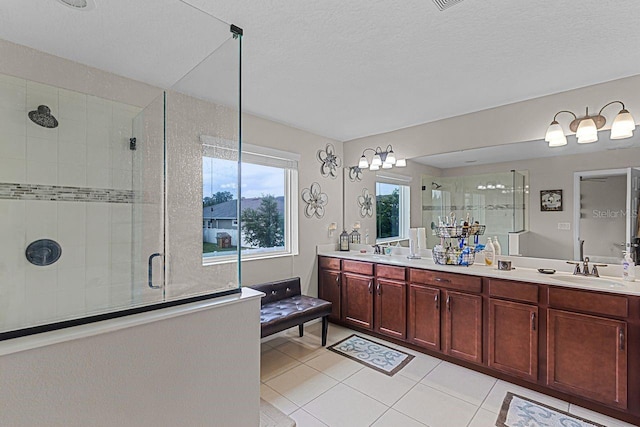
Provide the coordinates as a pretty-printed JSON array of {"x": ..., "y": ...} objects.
[
  {"x": 329, "y": 263},
  {"x": 517, "y": 291},
  {"x": 590, "y": 302},
  {"x": 390, "y": 272},
  {"x": 357, "y": 267},
  {"x": 460, "y": 282}
]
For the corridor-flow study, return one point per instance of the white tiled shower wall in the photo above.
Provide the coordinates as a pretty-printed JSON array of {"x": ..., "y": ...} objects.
[{"x": 89, "y": 149}]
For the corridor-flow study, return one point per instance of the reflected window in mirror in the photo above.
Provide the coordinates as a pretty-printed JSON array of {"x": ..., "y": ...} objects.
[{"x": 392, "y": 211}]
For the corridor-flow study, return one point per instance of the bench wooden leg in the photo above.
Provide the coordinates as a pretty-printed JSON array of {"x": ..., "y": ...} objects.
[
  {"x": 325, "y": 326},
  {"x": 301, "y": 329}
]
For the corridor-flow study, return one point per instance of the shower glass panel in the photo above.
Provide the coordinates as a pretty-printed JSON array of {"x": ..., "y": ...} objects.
[
  {"x": 100, "y": 180},
  {"x": 495, "y": 200}
]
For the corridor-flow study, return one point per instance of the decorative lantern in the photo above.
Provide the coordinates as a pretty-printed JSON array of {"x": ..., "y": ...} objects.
[
  {"x": 354, "y": 237},
  {"x": 344, "y": 241}
]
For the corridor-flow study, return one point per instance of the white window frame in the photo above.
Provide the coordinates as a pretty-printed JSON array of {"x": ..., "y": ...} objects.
[
  {"x": 404, "y": 203},
  {"x": 288, "y": 161}
]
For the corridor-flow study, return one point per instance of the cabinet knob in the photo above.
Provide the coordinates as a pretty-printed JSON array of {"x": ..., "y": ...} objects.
[
  {"x": 370, "y": 286},
  {"x": 449, "y": 303},
  {"x": 378, "y": 289},
  {"x": 621, "y": 334}
]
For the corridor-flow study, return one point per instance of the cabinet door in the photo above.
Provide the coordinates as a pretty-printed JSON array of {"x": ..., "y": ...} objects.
[
  {"x": 329, "y": 290},
  {"x": 587, "y": 356},
  {"x": 424, "y": 316},
  {"x": 513, "y": 338},
  {"x": 357, "y": 300},
  {"x": 463, "y": 326},
  {"x": 391, "y": 308}
]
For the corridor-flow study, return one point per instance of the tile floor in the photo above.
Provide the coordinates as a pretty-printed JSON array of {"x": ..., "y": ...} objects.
[{"x": 317, "y": 387}]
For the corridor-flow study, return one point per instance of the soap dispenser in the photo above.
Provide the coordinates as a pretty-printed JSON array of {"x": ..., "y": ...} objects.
[
  {"x": 489, "y": 252},
  {"x": 496, "y": 246},
  {"x": 628, "y": 268}
]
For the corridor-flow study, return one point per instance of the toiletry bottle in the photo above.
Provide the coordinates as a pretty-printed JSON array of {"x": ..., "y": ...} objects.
[
  {"x": 496, "y": 246},
  {"x": 628, "y": 268},
  {"x": 489, "y": 252}
]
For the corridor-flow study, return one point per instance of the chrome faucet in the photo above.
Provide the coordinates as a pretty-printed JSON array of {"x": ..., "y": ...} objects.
[
  {"x": 377, "y": 250},
  {"x": 585, "y": 268}
]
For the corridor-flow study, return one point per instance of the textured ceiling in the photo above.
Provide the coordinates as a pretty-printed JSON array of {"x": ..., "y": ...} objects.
[{"x": 346, "y": 69}]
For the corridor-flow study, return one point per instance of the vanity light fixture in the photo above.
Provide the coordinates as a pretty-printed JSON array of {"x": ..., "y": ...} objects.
[
  {"x": 381, "y": 159},
  {"x": 586, "y": 128}
]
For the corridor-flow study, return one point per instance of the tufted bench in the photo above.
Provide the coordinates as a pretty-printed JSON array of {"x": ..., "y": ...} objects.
[{"x": 283, "y": 307}]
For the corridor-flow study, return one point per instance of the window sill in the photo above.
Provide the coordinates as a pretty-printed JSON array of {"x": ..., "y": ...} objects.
[{"x": 209, "y": 261}]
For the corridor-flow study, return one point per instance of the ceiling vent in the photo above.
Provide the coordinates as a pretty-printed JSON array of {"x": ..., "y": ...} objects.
[{"x": 445, "y": 4}]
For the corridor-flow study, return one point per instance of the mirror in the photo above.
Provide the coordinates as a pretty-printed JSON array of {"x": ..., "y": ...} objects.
[{"x": 552, "y": 232}]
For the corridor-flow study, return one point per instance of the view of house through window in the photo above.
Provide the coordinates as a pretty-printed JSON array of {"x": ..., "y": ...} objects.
[
  {"x": 265, "y": 225},
  {"x": 392, "y": 211}
]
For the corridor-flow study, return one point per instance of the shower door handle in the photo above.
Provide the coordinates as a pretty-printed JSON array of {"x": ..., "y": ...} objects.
[{"x": 151, "y": 271}]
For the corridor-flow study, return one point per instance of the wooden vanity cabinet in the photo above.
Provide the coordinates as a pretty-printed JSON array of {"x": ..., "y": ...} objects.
[
  {"x": 445, "y": 313},
  {"x": 513, "y": 328},
  {"x": 423, "y": 325},
  {"x": 390, "y": 301},
  {"x": 329, "y": 284},
  {"x": 587, "y": 352},
  {"x": 357, "y": 293}
]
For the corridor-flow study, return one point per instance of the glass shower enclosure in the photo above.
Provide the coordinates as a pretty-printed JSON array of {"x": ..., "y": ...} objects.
[
  {"x": 100, "y": 174},
  {"x": 496, "y": 200}
]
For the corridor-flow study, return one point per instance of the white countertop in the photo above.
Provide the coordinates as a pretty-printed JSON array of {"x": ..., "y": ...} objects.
[{"x": 526, "y": 270}]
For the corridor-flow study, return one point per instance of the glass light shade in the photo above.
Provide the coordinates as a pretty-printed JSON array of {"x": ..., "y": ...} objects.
[
  {"x": 376, "y": 161},
  {"x": 391, "y": 158},
  {"x": 386, "y": 165},
  {"x": 401, "y": 163},
  {"x": 587, "y": 131},
  {"x": 623, "y": 125},
  {"x": 554, "y": 131},
  {"x": 558, "y": 141},
  {"x": 363, "y": 163},
  {"x": 374, "y": 167}
]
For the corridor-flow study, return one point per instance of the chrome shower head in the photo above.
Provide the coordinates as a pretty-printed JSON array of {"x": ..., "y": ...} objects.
[
  {"x": 435, "y": 185},
  {"x": 43, "y": 117}
]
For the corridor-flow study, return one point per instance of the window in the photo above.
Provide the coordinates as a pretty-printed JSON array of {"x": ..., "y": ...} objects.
[
  {"x": 392, "y": 207},
  {"x": 266, "y": 224}
]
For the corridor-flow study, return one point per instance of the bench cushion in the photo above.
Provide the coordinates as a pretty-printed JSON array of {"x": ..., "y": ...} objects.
[{"x": 280, "y": 315}]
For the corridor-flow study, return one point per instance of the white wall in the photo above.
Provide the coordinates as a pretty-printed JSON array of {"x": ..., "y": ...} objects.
[{"x": 192, "y": 370}]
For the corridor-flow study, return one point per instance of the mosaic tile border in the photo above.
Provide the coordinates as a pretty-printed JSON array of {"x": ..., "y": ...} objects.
[{"x": 61, "y": 193}]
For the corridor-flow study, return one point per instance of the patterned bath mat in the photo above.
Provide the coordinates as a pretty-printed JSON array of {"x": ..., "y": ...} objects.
[
  {"x": 372, "y": 354},
  {"x": 518, "y": 411}
]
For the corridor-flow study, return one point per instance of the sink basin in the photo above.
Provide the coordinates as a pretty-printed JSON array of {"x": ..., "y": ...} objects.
[
  {"x": 370, "y": 256},
  {"x": 594, "y": 281}
]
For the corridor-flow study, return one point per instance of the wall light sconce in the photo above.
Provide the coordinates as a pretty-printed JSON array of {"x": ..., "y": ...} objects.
[
  {"x": 381, "y": 159},
  {"x": 586, "y": 128},
  {"x": 332, "y": 227}
]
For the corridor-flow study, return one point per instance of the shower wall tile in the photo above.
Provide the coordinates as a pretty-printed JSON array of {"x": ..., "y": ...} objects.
[
  {"x": 71, "y": 279},
  {"x": 98, "y": 276},
  {"x": 42, "y": 150},
  {"x": 72, "y": 106},
  {"x": 99, "y": 113},
  {"x": 72, "y": 175},
  {"x": 96, "y": 298},
  {"x": 70, "y": 303},
  {"x": 42, "y": 173},
  {"x": 13, "y": 170},
  {"x": 98, "y": 135},
  {"x": 72, "y": 131},
  {"x": 12, "y": 147},
  {"x": 13, "y": 80},
  {"x": 97, "y": 254},
  {"x": 72, "y": 153},
  {"x": 13, "y": 96},
  {"x": 71, "y": 223},
  {"x": 73, "y": 256},
  {"x": 37, "y": 131},
  {"x": 13, "y": 122}
]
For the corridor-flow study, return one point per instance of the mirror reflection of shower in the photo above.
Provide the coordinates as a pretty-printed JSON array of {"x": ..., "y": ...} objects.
[{"x": 43, "y": 117}]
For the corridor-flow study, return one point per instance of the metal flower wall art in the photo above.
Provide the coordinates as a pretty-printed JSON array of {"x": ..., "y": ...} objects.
[
  {"x": 355, "y": 173},
  {"x": 316, "y": 201},
  {"x": 330, "y": 161},
  {"x": 365, "y": 201}
]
